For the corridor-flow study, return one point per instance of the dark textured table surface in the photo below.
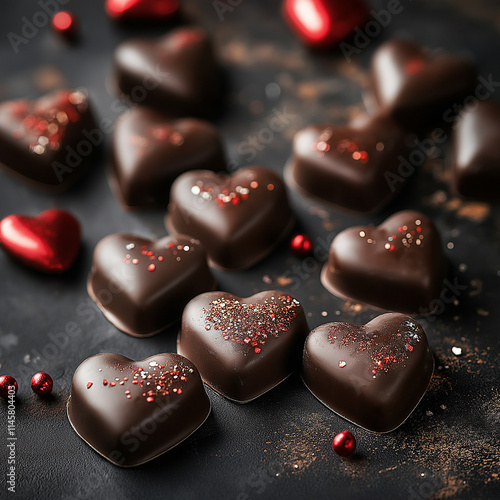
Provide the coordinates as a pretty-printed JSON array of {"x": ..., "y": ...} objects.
[{"x": 279, "y": 446}]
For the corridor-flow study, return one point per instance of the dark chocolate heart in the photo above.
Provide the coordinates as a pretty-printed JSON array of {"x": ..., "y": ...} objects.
[
  {"x": 243, "y": 347},
  {"x": 150, "y": 151},
  {"x": 348, "y": 167},
  {"x": 48, "y": 242},
  {"x": 373, "y": 375},
  {"x": 239, "y": 218},
  {"x": 476, "y": 156},
  {"x": 398, "y": 266},
  {"x": 132, "y": 411},
  {"x": 176, "y": 74},
  {"x": 141, "y": 285},
  {"x": 50, "y": 141},
  {"x": 418, "y": 88}
]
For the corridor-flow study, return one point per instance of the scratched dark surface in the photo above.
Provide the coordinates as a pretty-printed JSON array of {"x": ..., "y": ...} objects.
[{"x": 279, "y": 446}]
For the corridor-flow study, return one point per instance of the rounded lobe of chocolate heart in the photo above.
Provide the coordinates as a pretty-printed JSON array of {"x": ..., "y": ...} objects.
[
  {"x": 398, "y": 266},
  {"x": 50, "y": 141},
  {"x": 177, "y": 74},
  {"x": 243, "y": 347},
  {"x": 142, "y": 286},
  {"x": 142, "y": 10},
  {"x": 476, "y": 157},
  {"x": 150, "y": 151},
  {"x": 133, "y": 411},
  {"x": 348, "y": 167},
  {"x": 239, "y": 218},
  {"x": 372, "y": 375},
  {"x": 420, "y": 89},
  {"x": 49, "y": 242}
]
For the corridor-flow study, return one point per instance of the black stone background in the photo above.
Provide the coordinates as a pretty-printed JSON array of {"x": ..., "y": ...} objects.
[{"x": 280, "y": 445}]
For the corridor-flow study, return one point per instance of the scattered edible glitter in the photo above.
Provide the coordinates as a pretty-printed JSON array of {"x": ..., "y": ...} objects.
[
  {"x": 383, "y": 354},
  {"x": 342, "y": 364},
  {"x": 42, "y": 124},
  {"x": 251, "y": 324},
  {"x": 154, "y": 381},
  {"x": 225, "y": 196},
  {"x": 147, "y": 255},
  {"x": 344, "y": 146},
  {"x": 407, "y": 235}
]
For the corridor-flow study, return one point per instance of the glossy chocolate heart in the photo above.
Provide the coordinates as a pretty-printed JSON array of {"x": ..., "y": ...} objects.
[
  {"x": 398, "y": 266},
  {"x": 49, "y": 242},
  {"x": 133, "y": 411},
  {"x": 476, "y": 156},
  {"x": 150, "y": 151},
  {"x": 243, "y": 347},
  {"x": 373, "y": 375},
  {"x": 141, "y": 285},
  {"x": 350, "y": 166},
  {"x": 50, "y": 141},
  {"x": 142, "y": 10},
  {"x": 177, "y": 74},
  {"x": 324, "y": 23},
  {"x": 419, "y": 88},
  {"x": 239, "y": 218}
]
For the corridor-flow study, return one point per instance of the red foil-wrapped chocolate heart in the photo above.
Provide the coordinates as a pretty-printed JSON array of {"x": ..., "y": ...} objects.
[{"x": 49, "y": 242}]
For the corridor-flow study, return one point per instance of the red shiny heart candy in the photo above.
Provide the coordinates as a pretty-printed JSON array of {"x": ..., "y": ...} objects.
[
  {"x": 142, "y": 9},
  {"x": 49, "y": 242},
  {"x": 324, "y": 23}
]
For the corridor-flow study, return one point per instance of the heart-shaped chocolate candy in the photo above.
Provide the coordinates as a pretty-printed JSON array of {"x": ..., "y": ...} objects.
[
  {"x": 418, "y": 88},
  {"x": 373, "y": 375},
  {"x": 49, "y": 242},
  {"x": 243, "y": 347},
  {"x": 348, "y": 167},
  {"x": 398, "y": 266},
  {"x": 150, "y": 151},
  {"x": 177, "y": 74},
  {"x": 141, "y": 285},
  {"x": 50, "y": 141},
  {"x": 324, "y": 23},
  {"x": 476, "y": 157},
  {"x": 142, "y": 10},
  {"x": 133, "y": 411},
  {"x": 239, "y": 218}
]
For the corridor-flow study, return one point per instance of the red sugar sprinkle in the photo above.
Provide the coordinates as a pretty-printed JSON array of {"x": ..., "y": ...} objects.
[{"x": 89, "y": 385}]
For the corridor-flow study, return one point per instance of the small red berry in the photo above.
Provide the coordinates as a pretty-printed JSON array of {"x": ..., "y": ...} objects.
[
  {"x": 301, "y": 245},
  {"x": 65, "y": 24},
  {"x": 344, "y": 444},
  {"x": 7, "y": 381},
  {"x": 42, "y": 383}
]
